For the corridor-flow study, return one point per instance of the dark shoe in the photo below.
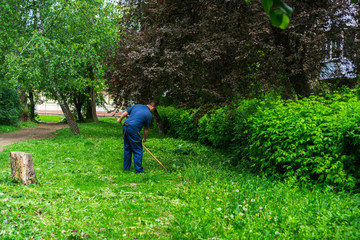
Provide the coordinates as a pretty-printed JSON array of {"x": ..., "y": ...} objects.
[{"x": 140, "y": 172}]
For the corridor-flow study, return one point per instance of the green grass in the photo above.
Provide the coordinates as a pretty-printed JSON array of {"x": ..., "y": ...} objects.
[
  {"x": 42, "y": 118},
  {"x": 7, "y": 129},
  {"x": 50, "y": 118},
  {"x": 83, "y": 193}
]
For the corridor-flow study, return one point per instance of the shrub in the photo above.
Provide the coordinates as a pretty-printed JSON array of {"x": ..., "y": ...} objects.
[
  {"x": 217, "y": 127},
  {"x": 302, "y": 140},
  {"x": 313, "y": 139},
  {"x": 225, "y": 126},
  {"x": 9, "y": 106},
  {"x": 350, "y": 140},
  {"x": 179, "y": 122}
]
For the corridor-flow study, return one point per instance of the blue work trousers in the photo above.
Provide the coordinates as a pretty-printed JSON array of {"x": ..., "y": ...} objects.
[{"x": 132, "y": 146}]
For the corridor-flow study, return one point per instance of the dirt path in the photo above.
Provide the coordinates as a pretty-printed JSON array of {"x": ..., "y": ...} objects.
[{"x": 44, "y": 130}]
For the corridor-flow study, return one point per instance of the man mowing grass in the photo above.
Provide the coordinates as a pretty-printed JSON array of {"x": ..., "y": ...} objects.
[{"x": 139, "y": 116}]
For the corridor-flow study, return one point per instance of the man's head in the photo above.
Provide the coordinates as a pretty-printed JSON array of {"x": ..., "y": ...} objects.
[{"x": 151, "y": 105}]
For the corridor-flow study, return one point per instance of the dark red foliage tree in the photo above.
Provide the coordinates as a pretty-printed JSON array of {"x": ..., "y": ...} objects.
[{"x": 190, "y": 53}]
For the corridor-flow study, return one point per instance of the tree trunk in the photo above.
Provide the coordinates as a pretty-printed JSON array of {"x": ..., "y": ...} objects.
[
  {"x": 79, "y": 102},
  {"x": 313, "y": 69},
  {"x": 32, "y": 106},
  {"x": 68, "y": 115},
  {"x": 301, "y": 85},
  {"x": 93, "y": 104},
  {"x": 159, "y": 122},
  {"x": 66, "y": 110},
  {"x": 22, "y": 167},
  {"x": 24, "y": 117},
  {"x": 88, "y": 114}
]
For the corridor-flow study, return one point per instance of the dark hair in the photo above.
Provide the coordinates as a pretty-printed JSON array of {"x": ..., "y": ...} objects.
[{"x": 153, "y": 104}]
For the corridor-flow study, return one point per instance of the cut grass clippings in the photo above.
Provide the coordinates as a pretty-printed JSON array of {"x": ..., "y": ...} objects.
[{"x": 83, "y": 193}]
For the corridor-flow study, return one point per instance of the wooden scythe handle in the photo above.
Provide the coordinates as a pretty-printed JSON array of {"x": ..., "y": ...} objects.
[{"x": 154, "y": 157}]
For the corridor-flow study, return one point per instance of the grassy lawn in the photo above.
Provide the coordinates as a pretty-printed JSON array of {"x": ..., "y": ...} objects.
[
  {"x": 7, "y": 129},
  {"x": 50, "y": 118},
  {"x": 83, "y": 193},
  {"x": 42, "y": 118}
]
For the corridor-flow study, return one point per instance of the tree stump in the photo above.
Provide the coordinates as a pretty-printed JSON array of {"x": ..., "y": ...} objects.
[{"x": 22, "y": 167}]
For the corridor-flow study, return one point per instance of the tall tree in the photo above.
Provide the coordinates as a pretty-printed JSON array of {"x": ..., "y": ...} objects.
[
  {"x": 74, "y": 37},
  {"x": 15, "y": 22},
  {"x": 188, "y": 51},
  {"x": 300, "y": 45},
  {"x": 195, "y": 52}
]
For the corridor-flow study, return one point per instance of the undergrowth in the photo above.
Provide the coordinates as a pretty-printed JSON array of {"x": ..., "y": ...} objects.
[{"x": 84, "y": 194}]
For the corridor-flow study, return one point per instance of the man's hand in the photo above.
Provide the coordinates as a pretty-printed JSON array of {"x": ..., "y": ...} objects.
[
  {"x": 122, "y": 116},
  {"x": 146, "y": 131}
]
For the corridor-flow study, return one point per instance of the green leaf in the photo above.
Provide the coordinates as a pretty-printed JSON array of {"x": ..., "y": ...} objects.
[
  {"x": 279, "y": 19},
  {"x": 276, "y": 17},
  {"x": 285, "y": 22},
  {"x": 286, "y": 9},
  {"x": 267, "y": 5}
]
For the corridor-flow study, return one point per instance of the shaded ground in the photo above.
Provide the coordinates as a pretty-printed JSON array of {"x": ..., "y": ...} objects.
[{"x": 44, "y": 130}]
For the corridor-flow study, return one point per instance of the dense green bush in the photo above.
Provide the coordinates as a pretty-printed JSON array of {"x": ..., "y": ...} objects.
[
  {"x": 179, "y": 122},
  {"x": 9, "y": 106},
  {"x": 216, "y": 127},
  {"x": 226, "y": 125},
  {"x": 313, "y": 139},
  {"x": 350, "y": 139},
  {"x": 301, "y": 139}
]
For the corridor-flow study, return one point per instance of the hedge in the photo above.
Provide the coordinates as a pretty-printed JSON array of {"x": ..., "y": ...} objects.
[
  {"x": 313, "y": 139},
  {"x": 9, "y": 105}
]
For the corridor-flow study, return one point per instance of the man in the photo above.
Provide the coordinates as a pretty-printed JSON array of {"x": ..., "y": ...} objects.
[{"x": 139, "y": 116}]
